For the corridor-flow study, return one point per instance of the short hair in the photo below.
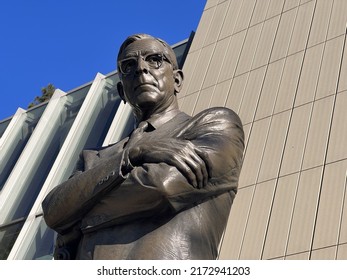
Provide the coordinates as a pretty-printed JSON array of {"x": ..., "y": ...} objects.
[{"x": 168, "y": 51}]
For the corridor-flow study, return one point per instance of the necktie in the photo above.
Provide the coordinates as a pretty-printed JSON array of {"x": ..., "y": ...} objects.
[{"x": 137, "y": 133}]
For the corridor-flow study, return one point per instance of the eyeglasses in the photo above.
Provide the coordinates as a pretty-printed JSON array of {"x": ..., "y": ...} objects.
[{"x": 153, "y": 60}]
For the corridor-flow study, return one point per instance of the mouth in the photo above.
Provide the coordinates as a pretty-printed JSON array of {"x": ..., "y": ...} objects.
[{"x": 144, "y": 86}]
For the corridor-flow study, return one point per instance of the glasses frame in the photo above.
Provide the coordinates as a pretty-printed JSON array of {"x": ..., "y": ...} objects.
[{"x": 144, "y": 58}]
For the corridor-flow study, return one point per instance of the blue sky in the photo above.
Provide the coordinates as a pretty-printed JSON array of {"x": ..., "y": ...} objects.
[{"x": 66, "y": 42}]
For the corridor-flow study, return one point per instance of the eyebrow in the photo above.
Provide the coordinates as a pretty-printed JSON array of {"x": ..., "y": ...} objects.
[{"x": 143, "y": 53}]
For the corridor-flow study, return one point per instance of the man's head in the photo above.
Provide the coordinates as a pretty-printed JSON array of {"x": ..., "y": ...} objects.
[{"x": 149, "y": 74}]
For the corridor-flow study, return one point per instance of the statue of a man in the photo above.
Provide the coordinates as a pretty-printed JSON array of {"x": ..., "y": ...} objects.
[{"x": 165, "y": 191}]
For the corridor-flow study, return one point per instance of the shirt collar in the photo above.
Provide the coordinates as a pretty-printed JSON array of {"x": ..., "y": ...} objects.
[{"x": 158, "y": 120}]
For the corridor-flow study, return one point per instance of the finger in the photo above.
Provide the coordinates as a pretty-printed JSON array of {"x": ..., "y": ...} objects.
[
  {"x": 196, "y": 169},
  {"x": 196, "y": 163},
  {"x": 199, "y": 168},
  {"x": 184, "y": 168},
  {"x": 204, "y": 156}
]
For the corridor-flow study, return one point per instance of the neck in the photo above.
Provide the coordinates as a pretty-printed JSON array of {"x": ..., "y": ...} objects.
[{"x": 143, "y": 115}]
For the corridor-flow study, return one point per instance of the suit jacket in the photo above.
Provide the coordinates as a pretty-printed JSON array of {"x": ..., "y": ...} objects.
[{"x": 152, "y": 212}]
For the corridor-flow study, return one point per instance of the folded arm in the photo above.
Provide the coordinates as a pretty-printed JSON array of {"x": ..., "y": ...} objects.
[
  {"x": 157, "y": 183},
  {"x": 206, "y": 163}
]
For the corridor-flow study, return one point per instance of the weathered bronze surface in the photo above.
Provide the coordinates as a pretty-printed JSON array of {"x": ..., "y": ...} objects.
[{"x": 165, "y": 191}]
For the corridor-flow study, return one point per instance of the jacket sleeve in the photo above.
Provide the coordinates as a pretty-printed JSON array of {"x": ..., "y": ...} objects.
[{"x": 68, "y": 202}]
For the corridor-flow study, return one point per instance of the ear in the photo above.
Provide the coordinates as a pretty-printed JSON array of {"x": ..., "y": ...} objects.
[
  {"x": 179, "y": 77},
  {"x": 121, "y": 91}
]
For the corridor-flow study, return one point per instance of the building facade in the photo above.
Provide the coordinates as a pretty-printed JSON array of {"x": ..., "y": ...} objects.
[{"x": 282, "y": 66}]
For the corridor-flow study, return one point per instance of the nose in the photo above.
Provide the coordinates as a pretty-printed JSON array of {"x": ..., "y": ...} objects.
[{"x": 142, "y": 66}]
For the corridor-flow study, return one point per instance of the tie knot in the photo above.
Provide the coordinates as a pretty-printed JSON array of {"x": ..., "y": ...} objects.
[{"x": 143, "y": 126}]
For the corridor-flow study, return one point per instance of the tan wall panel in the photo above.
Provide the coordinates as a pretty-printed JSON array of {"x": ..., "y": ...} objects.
[
  {"x": 210, "y": 4},
  {"x": 259, "y": 12},
  {"x": 301, "y": 28},
  {"x": 290, "y": 4},
  {"x": 309, "y": 75},
  {"x": 216, "y": 63},
  {"x": 180, "y": 102},
  {"x": 330, "y": 205},
  {"x": 330, "y": 67},
  {"x": 343, "y": 77},
  {"x": 251, "y": 96},
  {"x": 236, "y": 93},
  {"x": 342, "y": 252},
  {"x": 301, "y": 256},
  {"x": 283, "y": 35},
  {"x": 270, "y": 89},
  {"x": 204, "y": 100},
  {"x": 230, "y": 19},
  {"x": 188, "y": 71},
  {"x": 294, "y": 149},
  {"x": 248, "y": 49},
  {"x": 216, "y": 24},
  {"x": 275, "y": 8},
  {"x": 232, "y": 56},
  {"x": 257, "y": 222},
  {"x": 200, "y": 69},
  {"x": 274, "y": 147},
  {"x": 320, "y": 22},
  {"x": 324, "y": 254},
  {"x": 305, "y": 207},
  {"x": 338, "y": 20},
  {"x": 254, "y": 152},
  {"x": 246, "y": 130},
  {"x": 278, "y": 229},
  {"x": 343, "y": 230},
  {"x": 188, "y": 103},
  {"x": 202, "y": 29},
  {"x": 234, "y": 232},
  {"x": 220, "y": 94},
  {"x": 338, "y": 138},
  {"x": 266, "y": 41},
  {"x": 289, "y": 82},
  {"x": 245, "y": 15},
  {"x": 317, "y": 139}
]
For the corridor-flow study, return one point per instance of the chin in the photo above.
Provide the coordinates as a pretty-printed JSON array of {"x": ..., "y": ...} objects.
[
  {"x": 148, "y": 99},
  {"x": 146, "y": 105}
]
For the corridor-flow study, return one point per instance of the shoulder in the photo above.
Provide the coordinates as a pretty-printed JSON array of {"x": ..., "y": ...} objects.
[
  {"x": 213, "y": 122},
  {"x": 218, "y": 114}
]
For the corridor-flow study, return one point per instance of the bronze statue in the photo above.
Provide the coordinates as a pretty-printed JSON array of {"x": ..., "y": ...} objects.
[{"x": 165, "y": 191}]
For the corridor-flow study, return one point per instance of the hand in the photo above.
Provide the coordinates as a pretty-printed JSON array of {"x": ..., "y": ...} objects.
[{"x": 190, "y": 160}]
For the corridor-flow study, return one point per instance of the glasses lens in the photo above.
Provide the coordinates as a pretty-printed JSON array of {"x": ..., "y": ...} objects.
[
  {"x": 127, "y": 65},
  {"x": 154, "y": 60}
]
